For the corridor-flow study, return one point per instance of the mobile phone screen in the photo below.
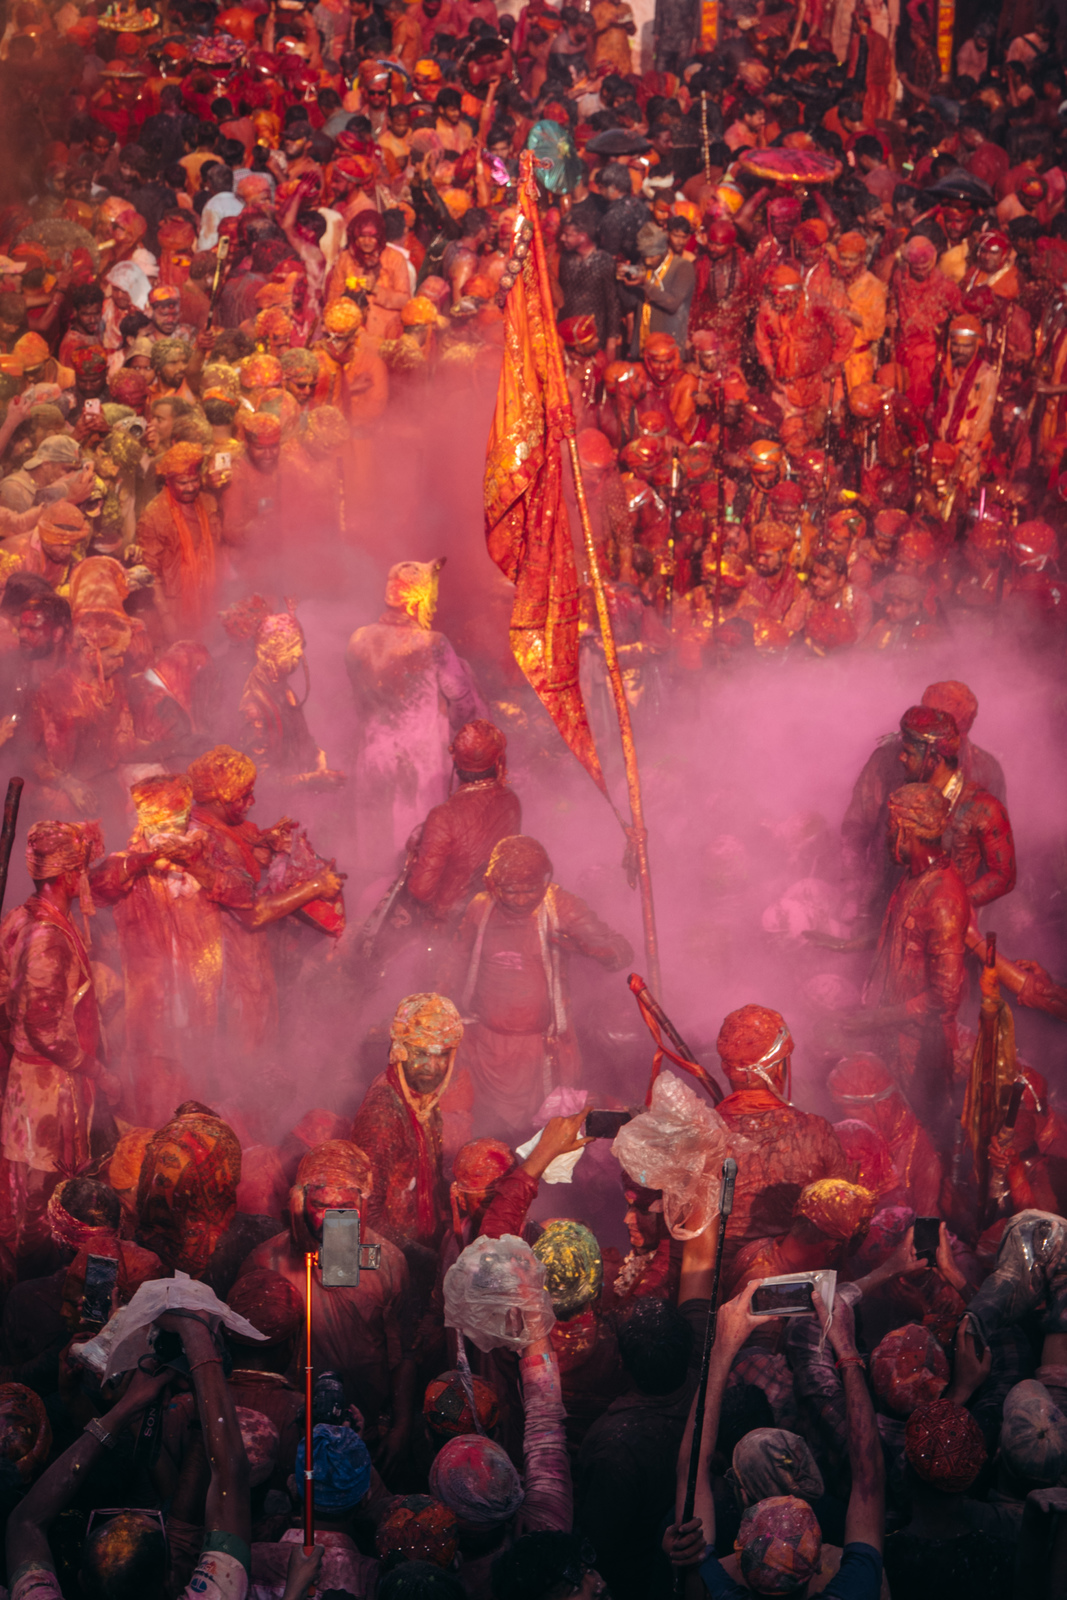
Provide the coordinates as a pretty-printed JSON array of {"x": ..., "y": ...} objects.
[
  {"x": 605, "y": 1124},
  {"x": 927, "y": 1235},
  {"x": 782, "y": 1299},
  {"x": 340, "y": 1249},
  {"x": 101, "y": 1273}
]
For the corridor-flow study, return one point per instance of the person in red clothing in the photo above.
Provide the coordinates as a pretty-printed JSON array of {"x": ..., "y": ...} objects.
[
  {"x": 913, "y": 993},
  {"x": 978, "y": 834},
  {"x": 51, "y": 1019},
  {"x": 459, "y": 836},
  {"x": 508, "y": 969},
  {"x": 365, "y": 1333},
  {"x": 861, "y": 1087},
  {"x": 791, "y": 1148},
  {"x": 399, "y": 1124}
]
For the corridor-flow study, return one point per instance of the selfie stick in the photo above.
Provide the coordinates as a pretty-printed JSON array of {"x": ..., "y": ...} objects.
[
  {"x": 309, "y": 1422},
  {"x": 7, "y": 832},
  {"x": 726, "y": 1205}
]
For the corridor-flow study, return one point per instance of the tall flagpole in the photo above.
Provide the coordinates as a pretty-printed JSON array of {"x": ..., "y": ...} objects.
[{"x": 637, "y": 833}]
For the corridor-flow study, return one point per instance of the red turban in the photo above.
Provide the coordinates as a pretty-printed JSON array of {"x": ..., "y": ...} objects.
[
  {"x": 187, "y": 1191},
  {"x": 478, "y": 746},
  {"x": 448, "y": 1410},
  {"x": 955, "y": 698},
  {"x": 909, "y": 1368},
  {"x": 418, "y": 1528},
  {"x": 780, "y": 1545},
  {"x": 270, "y": 1303},
  {"x": 577, "y": 330},
  {"x": 785, "y": 209},
  {"x": 89, "y": 360},
  {"x": 944, "y": 1446},
  {"x": 220, "y": 774},
  {"x": 594, "y": 448},
  {"x": 753, "y": 1036}
]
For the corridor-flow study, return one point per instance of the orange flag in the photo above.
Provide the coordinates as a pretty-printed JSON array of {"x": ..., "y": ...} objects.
[{"x": 526, "y": 524}]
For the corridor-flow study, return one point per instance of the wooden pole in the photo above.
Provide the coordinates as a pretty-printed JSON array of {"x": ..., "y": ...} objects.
[
  {"x": 637, "y": 833},
  {"x": 7, "y": 833},
  {"x": 309, "y": 1423}
]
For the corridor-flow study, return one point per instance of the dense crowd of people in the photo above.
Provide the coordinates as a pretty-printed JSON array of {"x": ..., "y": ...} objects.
[{"x": 809, "y": 271}]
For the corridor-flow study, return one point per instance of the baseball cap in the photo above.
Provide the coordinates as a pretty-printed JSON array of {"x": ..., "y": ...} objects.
[{"x": 58, "y": 447}]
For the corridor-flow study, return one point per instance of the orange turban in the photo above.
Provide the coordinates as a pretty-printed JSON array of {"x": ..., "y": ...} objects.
[
  {"x": 179, "y": 460},
  {"x": 220, "y": 774},
  {"x": 838, "y": 1209},
  {"x": 342, "y": 316}
]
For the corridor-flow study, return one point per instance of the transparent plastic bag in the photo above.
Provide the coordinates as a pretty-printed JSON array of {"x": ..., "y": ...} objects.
[
  {"x": 495, "y": 1295},
  {"x": 678, "y": 1145}
]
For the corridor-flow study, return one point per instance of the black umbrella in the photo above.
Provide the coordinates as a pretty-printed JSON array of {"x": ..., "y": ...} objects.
[
  {"x": 961, "y": 185},
  {"x": 618, "y": 142}
]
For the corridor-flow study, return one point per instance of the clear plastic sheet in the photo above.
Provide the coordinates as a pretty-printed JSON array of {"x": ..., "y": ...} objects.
[
  {"x": 678, "y": 1145},
  {"x": 495, "y": 1295}
]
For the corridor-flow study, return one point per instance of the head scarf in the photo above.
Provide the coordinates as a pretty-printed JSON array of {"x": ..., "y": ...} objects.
[
  {"x": 1033, "y": 1434},
  {"x": 944, "y": 1446},
  {"x": 99, "y": 583},
  {"x": 772, "y": 1461},
  {"x": 477, "y": 1168},
  {"x": 25, "y": 1433},
  {"x": 221, "y": 774},
  {"x": 574, "y": 1269},
  {"x": 780, "y": 1545},
  {"x": 62, "y": 525},
  {"x": 342, "y": 1467},
  {"x": 838, "y": 1209},
  {"x": 909, "y": 1368},
  {"x": 187, "y": 1191},
  {"x": 475, "y": 1478},
  {"x": 56, "y": 847},
  {"x": 924, "y": 725},
  {"x": 337, "y": 1163},
  {"x": 418, "y": 1528},
  {"x": 411, "y": 586},
  {"x": 447, "y": 1408},
  {"x": 424, "y": 1022},
  {"x": 921, "y": 807}
]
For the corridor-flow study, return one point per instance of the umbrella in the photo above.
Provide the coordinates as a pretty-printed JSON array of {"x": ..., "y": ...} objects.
[
  {"x": 556, "y": 161},
  {"x": 618, "y": 142},
  {"x": 961, "y": 185},
  {"x": 116, "y": 20},
  {"x": 789, "y": 166}
]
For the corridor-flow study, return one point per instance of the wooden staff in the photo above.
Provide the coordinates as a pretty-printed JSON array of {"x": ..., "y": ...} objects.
[
  {"x": 221, "y": 252},
  {"x": 637, "y": 833},
  {"x": 704, "y": 134},
  {"x": 7, "y": 832},
  {"x": 726, "y": 1205}
]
